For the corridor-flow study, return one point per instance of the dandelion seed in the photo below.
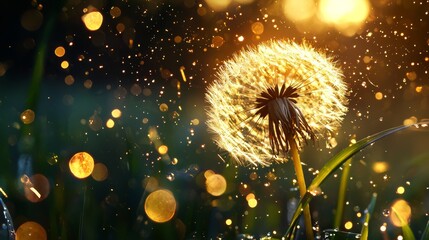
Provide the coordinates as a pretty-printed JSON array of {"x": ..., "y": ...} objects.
[{"x": 267, "y": 96}]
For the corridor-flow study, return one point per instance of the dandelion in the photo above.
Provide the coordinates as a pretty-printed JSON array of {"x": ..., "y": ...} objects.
[
  {"x": 270, "y": 100},
  {"x": 265, "y": 96}
]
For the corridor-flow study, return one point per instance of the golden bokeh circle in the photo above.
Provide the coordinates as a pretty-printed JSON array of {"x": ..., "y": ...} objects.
[
  {"x": 160, "y": 206},
  {"x": 81, "y": 165},
  {"x": 30, "y": 231},
  {"x": 27, "y": 116},
  {"x": 216, "y": 184},
  {"x": 100, "y": 172},
  {"x": 37, "y": 189}
]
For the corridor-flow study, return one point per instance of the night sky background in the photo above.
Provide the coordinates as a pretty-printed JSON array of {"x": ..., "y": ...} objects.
[{"x": 133, "y": 63}]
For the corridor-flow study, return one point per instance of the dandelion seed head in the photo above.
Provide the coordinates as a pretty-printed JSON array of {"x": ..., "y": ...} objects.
[{"x": 232, "y": 97}]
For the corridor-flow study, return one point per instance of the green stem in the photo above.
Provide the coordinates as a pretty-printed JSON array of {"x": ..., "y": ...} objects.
[
  {"x": 342, "y": 194},
  {"x": 302, "y": 187}
]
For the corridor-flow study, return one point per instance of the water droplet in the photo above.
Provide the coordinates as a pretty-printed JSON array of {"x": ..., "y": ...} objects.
[
  {"x": 170, "y": 177},
  {"x": 386, "y": 212}
]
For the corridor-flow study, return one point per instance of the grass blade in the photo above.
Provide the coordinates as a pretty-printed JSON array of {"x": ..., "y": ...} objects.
[
  {"x": 406, "y": 230},
  {"x": 368, "y": 214},
  {"x": 334, "y": 163},
  {"x": 425, "y": 234},
  {"x": 342, "y": 194}
]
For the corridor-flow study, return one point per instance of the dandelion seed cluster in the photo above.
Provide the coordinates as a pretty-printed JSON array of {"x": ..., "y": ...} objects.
[{"x": 232, "y": 97}]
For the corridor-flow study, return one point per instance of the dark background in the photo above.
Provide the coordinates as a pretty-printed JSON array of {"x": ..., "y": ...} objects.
[{"x": 113, "y": 209}]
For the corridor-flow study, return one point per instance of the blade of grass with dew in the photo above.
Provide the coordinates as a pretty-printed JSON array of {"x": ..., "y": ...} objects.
[
  {"x": 368, "y": 214},
  {"x": 425, "y": 235},
  {"x": 342, "y": 194},
  {"x": 406, "y": 230},
  {"x": 335, "y": 162}
]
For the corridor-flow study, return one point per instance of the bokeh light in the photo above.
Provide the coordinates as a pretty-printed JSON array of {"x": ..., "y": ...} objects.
[
  {"x": 346, "y": 15},
  {"x": 380, "y": 167},
  {"x": 93, "y": 20},
  {"x": 116, "y": 113},
  {"x": 299, "y": 10},
  {"x": 36, "y": 188},
  {"x": 162, "y": 149},
  {"x": 27, "y": 116},
  {"x": 160, "y": 206},
  {"x": 100, "y": 172},
  {"x": 400, "y": 213},
  {"x": 60, "y": 51},
  {"x": 216, "y": 184},
  {"x": 32, "y": 19},
  {"x": 81, "y": 165},
  {"x": 31, "y": 231}
]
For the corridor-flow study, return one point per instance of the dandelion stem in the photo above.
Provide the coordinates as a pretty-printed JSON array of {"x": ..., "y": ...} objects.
[{"x": 302, "y": 187}]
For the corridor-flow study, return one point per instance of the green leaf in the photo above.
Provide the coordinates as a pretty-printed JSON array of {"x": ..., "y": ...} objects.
[
  {"x": 368, "y": 214},
  {"x": 406, "y": 230},
  {"x": 334, "y": 163},
  {"x": 425, "y": 235}
]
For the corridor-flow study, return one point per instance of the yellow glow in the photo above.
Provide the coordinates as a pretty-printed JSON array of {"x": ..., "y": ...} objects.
[
  {"x": 3, "y": 192},
  {"x": 400, "y": 213},
  {"x": 378, "y": 95},
  {"x": 354, "y": 11},
  {"x": 411, "y": 120},
  {"x": 345, "y": 15},
  {"x": 31, "y": 230},
  {"x": 162, "y": 149},
  {"x": 116, "y": 113},
  {"x": 27, "y": 116},
  {"x": 100, "y": 172},
  {"x": 81, "y": 165},
  {"x": 182, "y": 72},
  {"x": 110, "y": 123},
  {"x": 160, "y": 206},
  {"x": 250, "y": 196},
  {"x": 400, "y": 190},
  {"x": 419, "y": 89},
  {"x": 380, "y": 167},
  {"x": 252, "y": 203},
  {"x": 216, "y": 184},
  {"x": 163, "y": 107},
  {"x": 218, "y": 5},
  {"x": 195, "y": 121},
  {"x": 64, "y": 64},
  {"x": 299, "y": 10},
  {"x": 208, "y": 173},
  {"x": 228, "y": 222},
  {"x": 257, "y": 28},
  {"x": 348, "y": 225},
  {"x": 60, "y": 51},
  {"x": 93, "y": 20}
]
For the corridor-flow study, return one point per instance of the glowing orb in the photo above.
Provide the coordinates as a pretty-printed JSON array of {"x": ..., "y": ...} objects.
[
  {"x": 93, "y": 20},
  {"x": 81, "y": 165},
  {"x": 30, "y": 231},
  {"x": 162, "y": 149},
  {"x": 36, "y": 188},
  {"x": 100, "y": 172},
  {"x": 160, "y": 206},
  {"x": 28, "y": 116},
  {"x": 400, "y": 213},
  {"x": 216, "y": 184}
]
